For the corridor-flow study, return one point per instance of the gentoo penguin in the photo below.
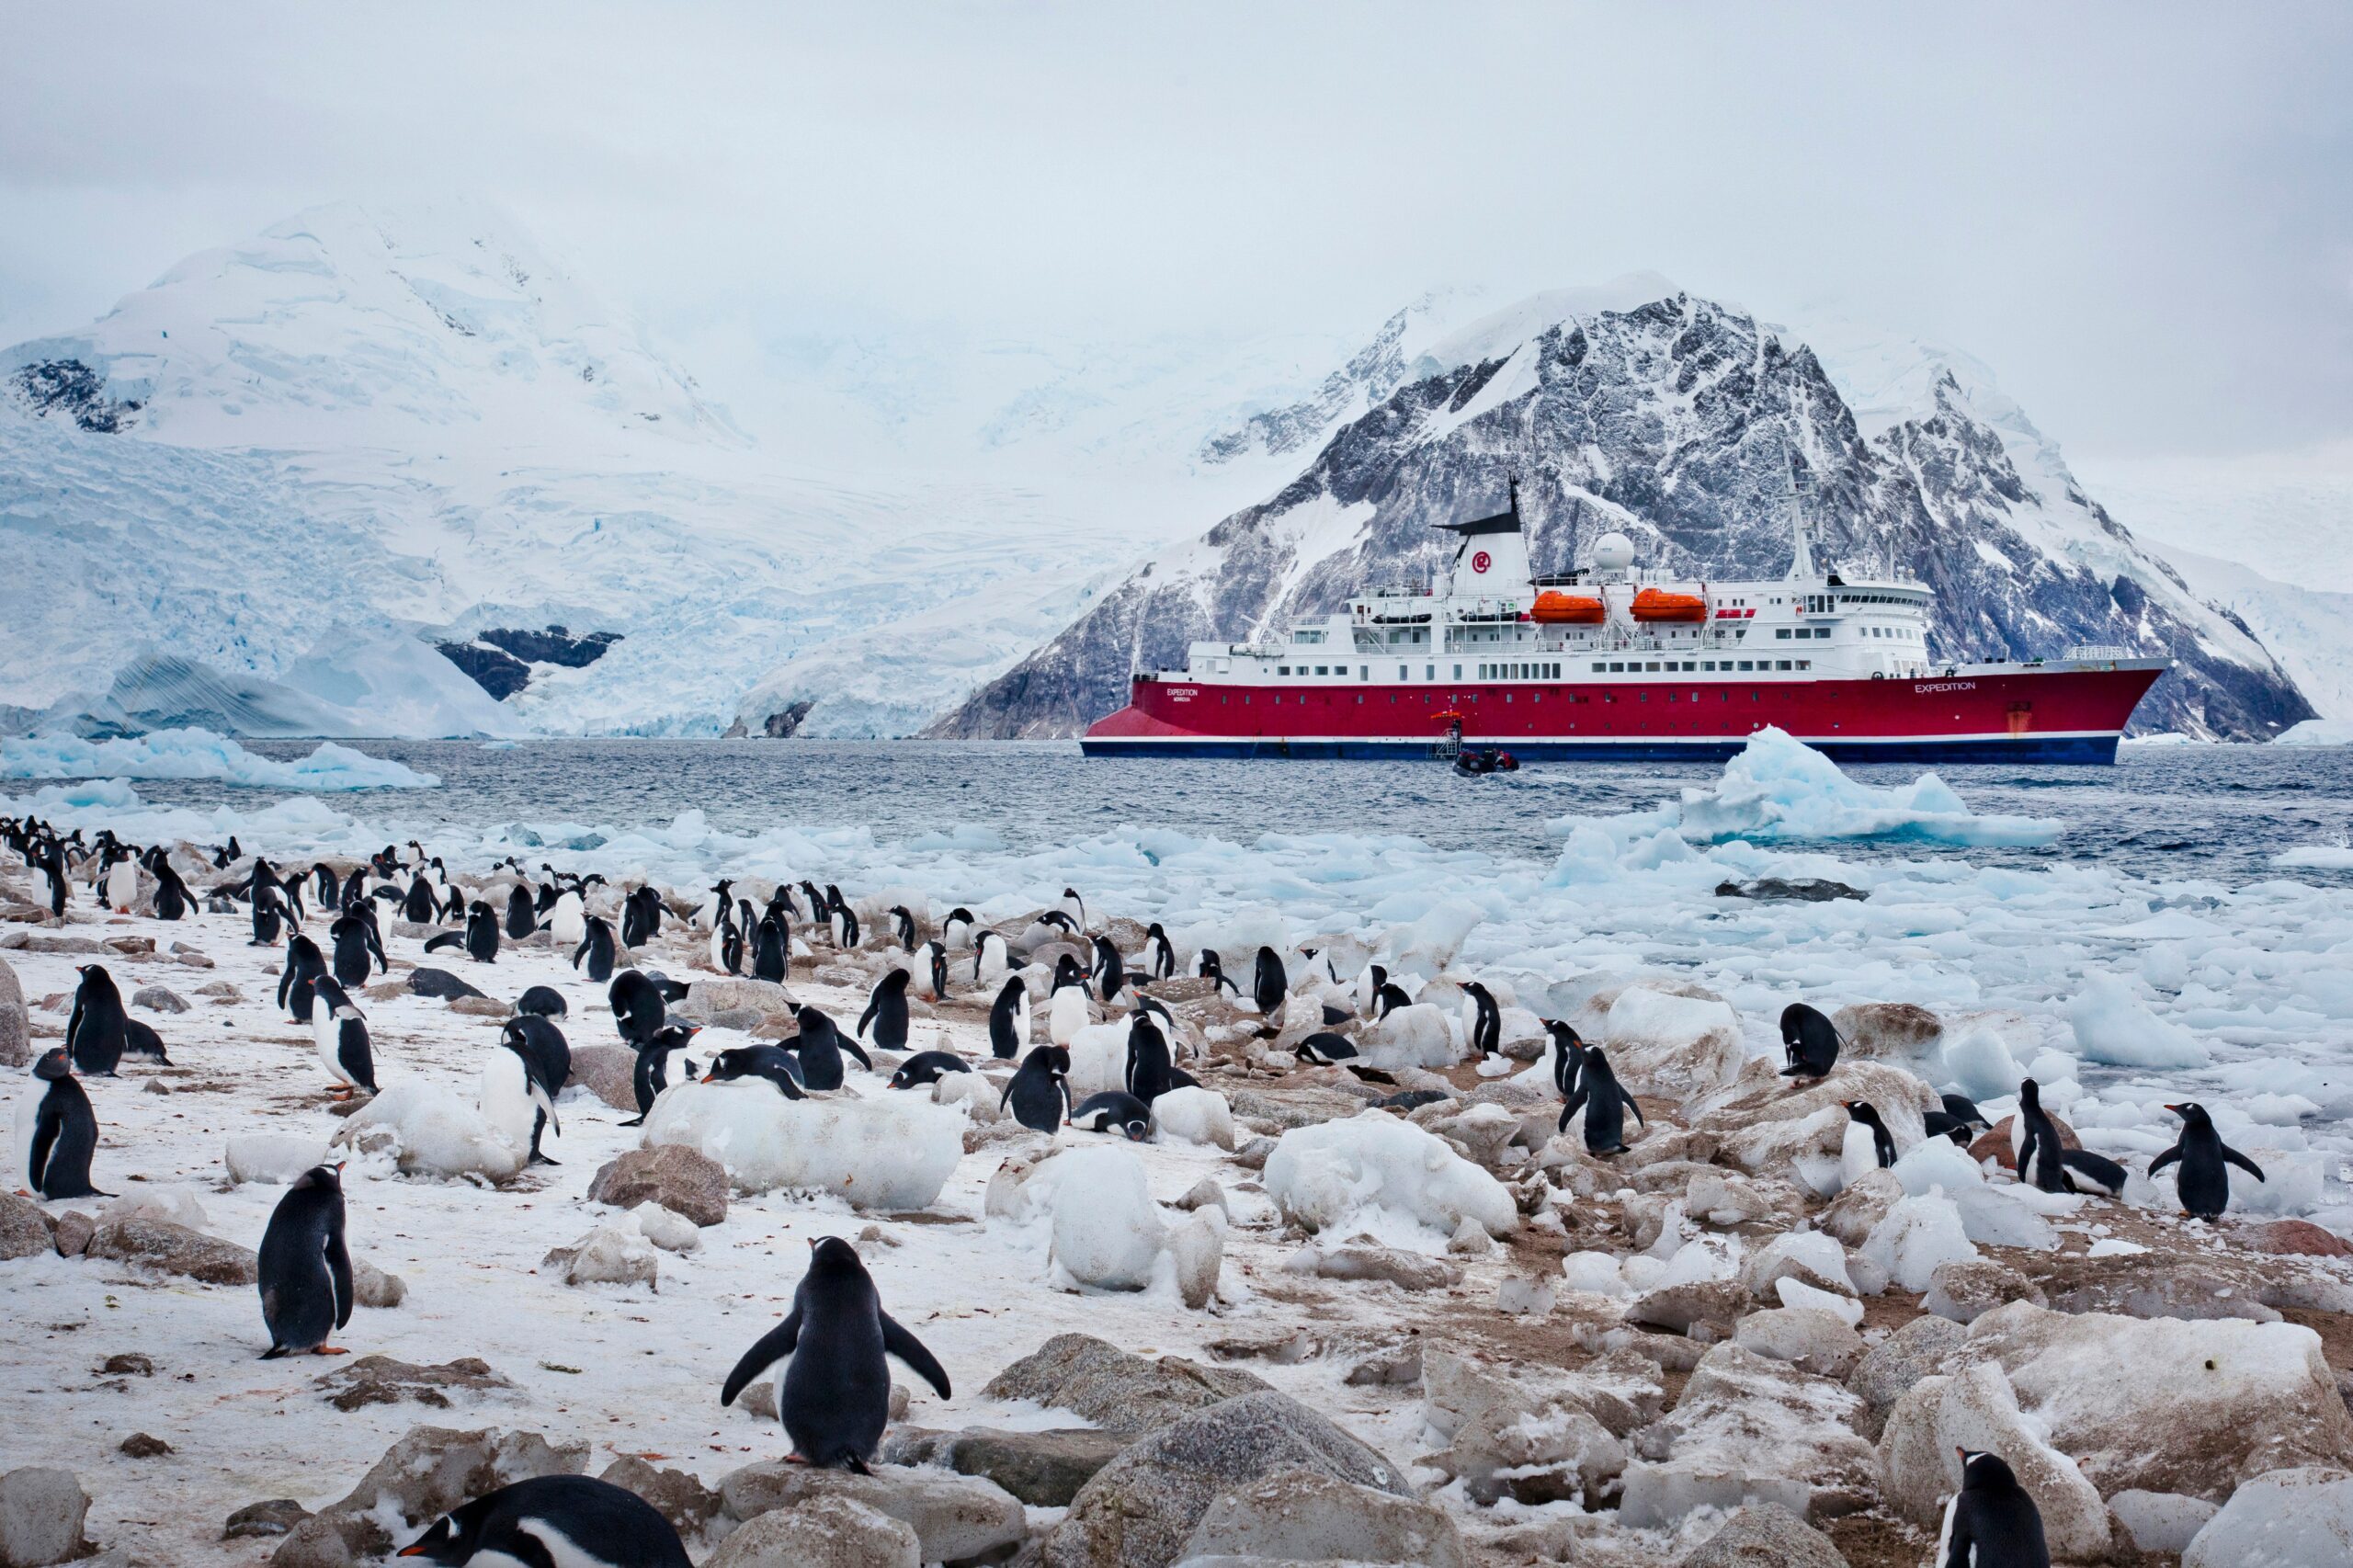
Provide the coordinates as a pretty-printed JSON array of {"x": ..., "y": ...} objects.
[
  {"x": 637, "y": 1008},
  {"x": 341, "y": 1030},
  {"x": 1110, "y": 973},
  {"x": 773, "y": 1063},
  {"x": 1482, "y": 1021},
  {"x": 121, "y": 885},
  {"x": 95, "y": 1034},
  {"x": 568, "y": 921},
  {"x": 820, "y": 1046},
  {"x": 50, "y": 862},
  {"x": 1271, "y": 982},
  {"x": 1388, "y": 999},
  {"x": 522, "y": 918},
  {"x": 835, "y": 1396},
  {"x": 1992, "y": 1521},
  {"x": 1075, "y": 907},
  {"x": 1809, "y": 1040},
  {"x": 2034, "y": 1143},
  {"x": 1324, "y": 1047},
  {"x": 841, "y": 920},
  {"x": 1568, "y": 1056},
  {"x": 928, "y": 1067},
  {"x": 304, "y": 1267},
  {"x": 61, "y": 1134},
  {"x": 481, "y": 932},
  {"x": 1060, "y": 921},
  {"x": 323, "y": 886},
  {"x": 1209, "y": 967},
  {"x": 1114, "y": 1110},
  {"x": 563, "y": 1521},
  {"x": 902, "y": 921},
  {"x": 1039, "y": 1090},
  {"x": 1868, "y": 1146},
  {"x": 358, "y": 947},
  {"x": 143, "y": 1042},
  {"x": 296, "y": 976},
  {"x": 1959, "y": 1115},
  {"x": 2204, "y": 1183},
  {"x": 421, "y": 904},
  {"x": 538, "y": 1046},
  {"x": 727, "y": 944},
  {"x": 650, "y": 1075},
  {"x": 1159, "y": 958},
  {"x": 935, "y": 963},
  {"x": 1009, "y": 1020},
  {"x": 544, "y": 1000},
  {"x": 640, "y": 916},
  {"x": 884, "y": 1022},
  {"x": 1066, "y": 1009},
  {"x": 171, "y": 893},
  {"x": 597, "y": 947},
  {"x": 1150, "y": 1073},
  {"x": 719, "y": 900},
  {"x": 269, "y": 916},
  {"x": 991, "y": 958},
  {"x": 772, "y": 949},
  {"x": 956, "y": 931},
  {"x": 1605, "y": 1102}
]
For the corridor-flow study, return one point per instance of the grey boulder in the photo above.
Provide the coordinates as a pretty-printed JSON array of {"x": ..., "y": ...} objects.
[{"x": 1302, "y": 1515}]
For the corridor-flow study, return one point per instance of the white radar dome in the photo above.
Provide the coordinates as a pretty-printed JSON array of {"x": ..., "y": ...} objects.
[{"x": 1613, "y": 552}]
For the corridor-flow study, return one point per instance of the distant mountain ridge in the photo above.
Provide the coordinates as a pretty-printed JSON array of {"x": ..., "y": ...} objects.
[{"x": 1689, "y": 426}]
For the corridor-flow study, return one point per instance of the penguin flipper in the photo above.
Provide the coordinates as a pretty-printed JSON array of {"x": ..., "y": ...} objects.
[
  {"x": 446, "y": 939},
  {"x": 908, "y": 1348},
  {"x": 339, "y": 1269},
  {"x": 45, "y": 1131},
  {"x": 771, "y": 1347},
  {"x": 1627, "y": 1096},
  {"x": 2245, "y": 1164},
  {"x": 1576, "y": 1104},
  {"x": 851, "y": 1045},
  {"x": 2171, "y": 1156},
  {"x": 873, "y": 1006}
]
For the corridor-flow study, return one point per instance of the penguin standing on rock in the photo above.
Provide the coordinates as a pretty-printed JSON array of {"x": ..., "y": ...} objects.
[
  {"x": 566, "y": 1521},
  {"x": 2204, "y": 1183},
  {"x": 1009, "y": 1020},
  {"x": 835, "y": 1397},
  {"x": 956, "y": 930},
  {"x": 772, "y": 949},
  {"x": 1150, "y": 1071},
  {"x": 99, "y": 1032},
  {"x": 1066, "y": 1009},
  {"x": 639, "y": 1010},
  {"x": 58, "y": 1133},
  {"x": 884, "y": 1022},
  {"x": 727, "y": 944},
  {"x": 1869, "y": 1146},
  {"x": 1568, "y": 1055},
  {"x": 1270, "y": 984},
  {"x": 651, "y": 1073},
  {"x": 1605, "y": 1102},
  {"x": 1039, "y": 1091},
  {"x": 1210, "y": 966},
  {"x": 641, "y": 916},
  {"x": 1111, "y": 972},
  {"x": 902, "y": 921},
  {"x": 1992, "y": 1521},
  {"x": 1809, "y": 1040},
  {"x": 1159, "y": 958},
  {"x": 304, "y": 1267}
]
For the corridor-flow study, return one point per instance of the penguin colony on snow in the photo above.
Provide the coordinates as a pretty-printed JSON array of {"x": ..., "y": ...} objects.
[{"x": 832, "y": 1403}]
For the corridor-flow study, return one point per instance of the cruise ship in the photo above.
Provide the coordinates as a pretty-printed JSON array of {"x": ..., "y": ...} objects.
[{"x": 1613, "y": 662}]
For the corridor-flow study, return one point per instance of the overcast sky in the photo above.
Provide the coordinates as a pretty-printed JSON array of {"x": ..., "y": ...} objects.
[{"x": 2139, "y": 217}]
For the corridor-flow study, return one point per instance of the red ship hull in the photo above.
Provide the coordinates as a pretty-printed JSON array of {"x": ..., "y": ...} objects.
[{"x": 2007, "y": 713}]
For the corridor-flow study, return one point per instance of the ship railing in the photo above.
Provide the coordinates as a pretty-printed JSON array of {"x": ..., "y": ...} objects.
[{"x": 2098, "y": 653}]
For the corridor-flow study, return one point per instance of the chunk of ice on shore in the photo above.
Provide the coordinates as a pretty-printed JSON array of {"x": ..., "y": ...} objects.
[
  {"x": 200, "y": 753},
  {"x": 1329, "y": 1176}
]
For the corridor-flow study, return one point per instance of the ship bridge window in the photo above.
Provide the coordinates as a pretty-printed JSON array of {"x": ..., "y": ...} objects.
[
  {"x": 1747, "y": 665},
  {"x": 1782, "y": 663},
  {"x": 1782, "y": 633},
  {"x": 1805, "y": 663},
  {"x": 1282, "y": 669},
  {"x": 1322, "y": 669}
]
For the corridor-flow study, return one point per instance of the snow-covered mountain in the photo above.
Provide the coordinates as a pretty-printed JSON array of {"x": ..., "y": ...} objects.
[{"x": 1681, "y": 422}]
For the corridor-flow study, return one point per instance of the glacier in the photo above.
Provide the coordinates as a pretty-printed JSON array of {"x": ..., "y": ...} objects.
[{"x": 200, "y": 753}]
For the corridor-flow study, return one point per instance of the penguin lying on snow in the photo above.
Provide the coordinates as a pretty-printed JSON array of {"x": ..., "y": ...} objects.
[
  {"x": 544, "y": 1000},
  {"x": 1809, "y": 1040},
  {"x": 928, "y": 1067},
  {"x": 1114, "y": 1110},
  {"x": 835, "y": 1397},
  {"x": 2205, "y": 1180},
  {"x": 1992, "y": 1521},
  {"x": 304, "y": 1268},
  {"x": 772, "y": 1062},
  {"x": 1960, "y": 1114},
  {"x": 565, "y": 1521},
  {"x": 1324, "y": 1047}
]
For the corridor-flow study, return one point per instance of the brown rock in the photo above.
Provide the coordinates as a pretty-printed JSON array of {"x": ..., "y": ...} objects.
[
  {"x": 678, "y": 1497},
  {"x": 139, "y": 1446},
  {"x": 608, "y": 1072},
  {"x": 678, "y": 1179},
  {"x": 274, "y": 1518},
  {"x": 2300, "y": 1238},
  {"x": 1119, "y": 1392},
  {"x": 26, "y": 1229},
  {"x": 381, "y": 1380},
  {"x": 175, "y": 1249},
  {"x": 73, "y": 1231},
  {"x": 479, "y": 1006}
]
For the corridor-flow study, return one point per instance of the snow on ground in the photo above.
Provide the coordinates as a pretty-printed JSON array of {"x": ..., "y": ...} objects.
[
  {"x": 2120, "y": 993},
  {"x": 200, "y": 753}
]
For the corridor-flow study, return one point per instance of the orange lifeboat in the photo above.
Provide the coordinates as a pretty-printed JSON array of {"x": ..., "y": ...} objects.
[
  {"x": 1553, "y": 609},
  {"x": 1653, "y": 604}
]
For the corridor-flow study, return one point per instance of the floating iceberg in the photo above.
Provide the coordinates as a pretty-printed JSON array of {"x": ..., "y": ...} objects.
[
  {"x": 1778, "y": 790},
  {"x": 200, "y": 753}
]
